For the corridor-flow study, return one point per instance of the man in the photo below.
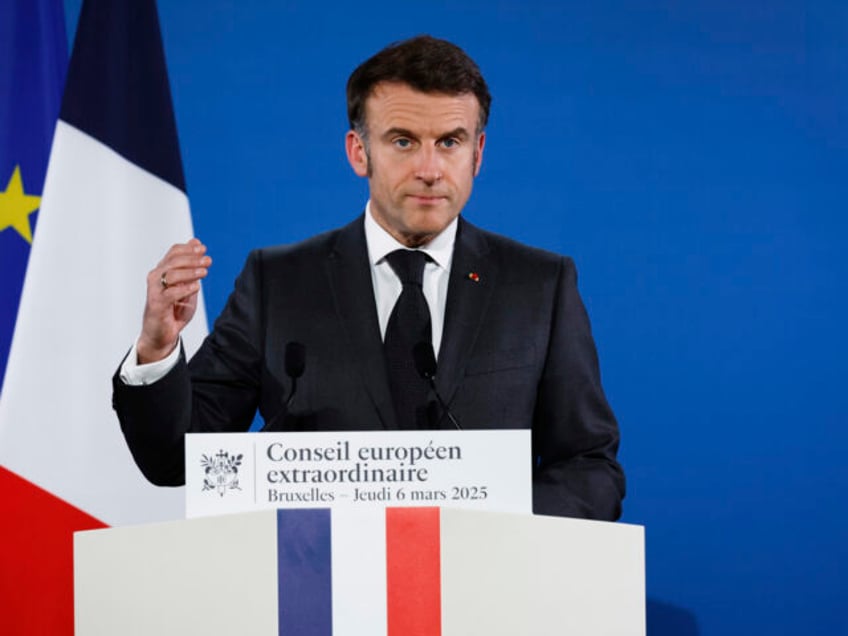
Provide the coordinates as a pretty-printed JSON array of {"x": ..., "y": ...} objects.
[{"x": 512, "y": 338}]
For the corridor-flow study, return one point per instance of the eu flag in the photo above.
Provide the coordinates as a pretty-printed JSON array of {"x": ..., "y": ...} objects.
[{"x": 33, "y": 59}]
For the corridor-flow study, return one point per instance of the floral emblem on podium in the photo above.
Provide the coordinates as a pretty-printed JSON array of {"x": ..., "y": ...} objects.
[{"x": 221, "y": 472}]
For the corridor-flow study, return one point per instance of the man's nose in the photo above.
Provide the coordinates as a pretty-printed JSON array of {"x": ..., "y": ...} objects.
[{"x": 429, "y": 168}]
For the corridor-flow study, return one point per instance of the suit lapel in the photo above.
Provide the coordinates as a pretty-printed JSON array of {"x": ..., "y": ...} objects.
[
  {"x": 353, "y": 294},
  {"x": 472, "y": 279}
]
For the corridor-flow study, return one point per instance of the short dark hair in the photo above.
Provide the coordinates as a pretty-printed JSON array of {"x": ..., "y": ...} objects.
[{"x": 425, "y": 63}]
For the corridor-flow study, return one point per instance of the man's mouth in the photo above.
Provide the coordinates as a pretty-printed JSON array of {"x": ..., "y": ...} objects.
[{"x": 427, "y": 198}]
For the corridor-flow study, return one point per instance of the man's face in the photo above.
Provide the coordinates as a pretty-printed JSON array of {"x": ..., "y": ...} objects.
[{"x": 421, "y": 155}]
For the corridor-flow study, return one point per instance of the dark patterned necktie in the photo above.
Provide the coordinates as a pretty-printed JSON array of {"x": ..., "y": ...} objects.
[{"x": 408, "y": 325}]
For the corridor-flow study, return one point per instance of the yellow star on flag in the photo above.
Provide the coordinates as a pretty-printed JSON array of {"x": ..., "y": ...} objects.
[{"x": 16, "y": 206}]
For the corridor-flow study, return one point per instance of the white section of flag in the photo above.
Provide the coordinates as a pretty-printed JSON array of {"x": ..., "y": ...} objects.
[
  {"x": 359, "y": 571},
  {"x": 103, "y": 224}
]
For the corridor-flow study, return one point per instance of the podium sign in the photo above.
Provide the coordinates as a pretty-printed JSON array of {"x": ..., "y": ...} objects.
[{"x": 240, "y": 472}]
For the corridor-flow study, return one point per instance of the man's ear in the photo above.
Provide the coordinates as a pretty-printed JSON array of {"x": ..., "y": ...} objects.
[
  {"x": 356, "y": 154},
  {"x": 478, "y": 153}
]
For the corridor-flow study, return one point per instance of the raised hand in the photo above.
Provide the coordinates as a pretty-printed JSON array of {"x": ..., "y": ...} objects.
[{"x": 172, "y": 290}]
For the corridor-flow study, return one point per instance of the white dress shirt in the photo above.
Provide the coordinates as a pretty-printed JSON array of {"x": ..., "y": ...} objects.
[{"x": 387, "y": 286}]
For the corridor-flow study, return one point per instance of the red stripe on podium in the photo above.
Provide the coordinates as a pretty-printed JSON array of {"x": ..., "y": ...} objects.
[
  {"x": 413, "y": 572},
  {"x": 36, "y": 558}
]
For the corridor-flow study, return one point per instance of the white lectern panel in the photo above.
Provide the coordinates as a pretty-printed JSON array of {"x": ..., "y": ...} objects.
[
  {"x": 505, "y": 574},
  {"x": 212, "y": 576}
]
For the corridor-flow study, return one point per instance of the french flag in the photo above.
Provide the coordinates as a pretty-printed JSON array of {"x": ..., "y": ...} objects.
[
  {"x": 114, "y": 201},
  {"x": 359, "y": 572}
]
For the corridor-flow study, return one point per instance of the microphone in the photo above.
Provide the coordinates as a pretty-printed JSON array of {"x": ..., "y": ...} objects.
[
  {"x": 425, "y": 364},
  {"x": 294, "y": 363}
]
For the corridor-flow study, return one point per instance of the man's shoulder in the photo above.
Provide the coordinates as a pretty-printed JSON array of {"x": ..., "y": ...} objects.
[
  {"x": 321, "y": 245},
  {"x": 508, "y": 250}
]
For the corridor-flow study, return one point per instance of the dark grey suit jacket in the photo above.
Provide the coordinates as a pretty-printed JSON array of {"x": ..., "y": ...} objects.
[{"x": 517, "y": 351}]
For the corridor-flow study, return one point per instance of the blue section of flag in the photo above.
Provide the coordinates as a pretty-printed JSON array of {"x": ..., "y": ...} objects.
[
  {"x": 33, "y": 59},
  {"x": 118, "y": 90},
  {"x": 304, "y": 572}
]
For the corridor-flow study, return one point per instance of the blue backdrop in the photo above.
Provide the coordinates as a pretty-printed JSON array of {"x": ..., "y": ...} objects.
[{"x": 691, "y": 156}]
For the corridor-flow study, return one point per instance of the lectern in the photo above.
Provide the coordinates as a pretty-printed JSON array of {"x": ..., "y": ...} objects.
[{"x": 362, "y": 572}]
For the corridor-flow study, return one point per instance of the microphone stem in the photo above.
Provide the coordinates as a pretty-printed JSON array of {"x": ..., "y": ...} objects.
[
  {"x": 292, "y": 392},
  {"x": 445, "y": 409}
]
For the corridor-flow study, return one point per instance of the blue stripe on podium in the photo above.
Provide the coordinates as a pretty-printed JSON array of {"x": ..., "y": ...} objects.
[{"x": 304, "y": 573}]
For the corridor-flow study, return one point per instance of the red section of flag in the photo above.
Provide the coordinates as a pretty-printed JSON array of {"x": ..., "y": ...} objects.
[
  {"x": 413, "y": 576},
  {"x": 36, "y": 558}
]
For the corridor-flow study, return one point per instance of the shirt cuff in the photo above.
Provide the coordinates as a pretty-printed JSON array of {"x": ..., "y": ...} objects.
[{"x": 134, "y": 374}]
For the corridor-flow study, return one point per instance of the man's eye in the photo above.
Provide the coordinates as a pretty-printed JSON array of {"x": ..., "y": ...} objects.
[
  {"x": 402, "y": 143},
  {"x": 450, "y": 143}
]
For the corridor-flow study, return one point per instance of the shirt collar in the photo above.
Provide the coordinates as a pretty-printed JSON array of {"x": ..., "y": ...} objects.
[{"x": 380, "y": 243}]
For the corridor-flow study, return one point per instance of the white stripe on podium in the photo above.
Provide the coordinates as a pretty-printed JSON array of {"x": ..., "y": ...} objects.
[{"x": 359, "y": 572}]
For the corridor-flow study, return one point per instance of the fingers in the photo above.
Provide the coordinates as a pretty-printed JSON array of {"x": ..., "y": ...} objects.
[
  {"x": 183, "y": 262},
  {"x": 175, "y": 283},
  {"x": 183, "y": 265}
]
